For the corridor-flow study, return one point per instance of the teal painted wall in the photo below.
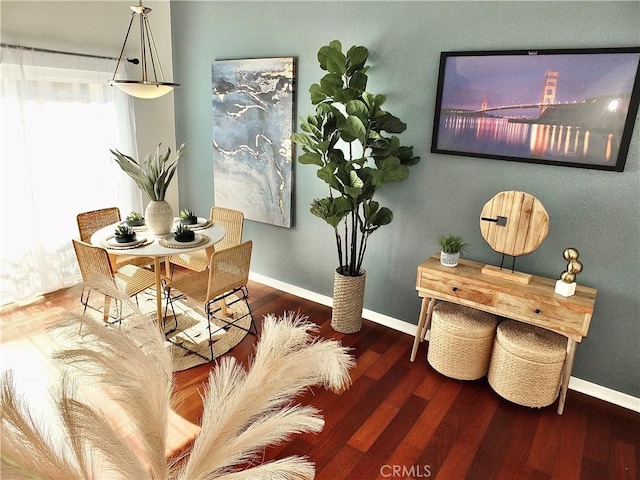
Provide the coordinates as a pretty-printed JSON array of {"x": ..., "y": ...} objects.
[{"x": 597, "y": 212}]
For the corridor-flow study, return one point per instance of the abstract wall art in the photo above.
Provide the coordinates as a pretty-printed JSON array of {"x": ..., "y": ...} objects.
[{"x": 252, "y": 111}]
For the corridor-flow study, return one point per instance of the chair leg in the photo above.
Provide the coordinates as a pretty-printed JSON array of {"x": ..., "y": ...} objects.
[
  {"x": 85, "y": 301},
  {"x": 107, "y": 305},
  {"x": 169, "y": 301}
]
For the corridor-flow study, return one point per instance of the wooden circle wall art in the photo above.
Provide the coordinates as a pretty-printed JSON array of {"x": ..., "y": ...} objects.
[{"x": 513, "y": 223}]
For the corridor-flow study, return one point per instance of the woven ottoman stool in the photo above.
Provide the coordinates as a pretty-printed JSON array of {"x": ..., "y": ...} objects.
[
  {"x": 460, "y": 341},
  {"x": 526, "y": 364}
]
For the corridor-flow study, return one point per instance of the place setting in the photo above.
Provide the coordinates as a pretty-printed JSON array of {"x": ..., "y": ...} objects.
[{"x": 125, "y": 237}]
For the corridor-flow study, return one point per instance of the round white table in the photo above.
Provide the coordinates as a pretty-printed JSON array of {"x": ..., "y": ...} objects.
[{"x": 154, "y": 249}]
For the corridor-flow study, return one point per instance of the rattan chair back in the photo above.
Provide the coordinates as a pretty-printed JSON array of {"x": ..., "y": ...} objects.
[
  {"x": 229, "y": 269},
  {"x": 90, "y": 222},
  {"x": 233, "y": 223},
  {"x": 93, "y": 261},
  {"x": 97, "y": 273}
]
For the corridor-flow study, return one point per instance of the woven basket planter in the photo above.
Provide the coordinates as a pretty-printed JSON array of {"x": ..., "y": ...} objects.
[
  {"x": 460, "y": 341},
  {"x": 348, "y": 300},
  {"x": 526, "y": 364}
]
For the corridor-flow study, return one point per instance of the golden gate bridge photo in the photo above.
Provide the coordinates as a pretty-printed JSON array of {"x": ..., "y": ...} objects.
[{"x": 567, "y": 109}]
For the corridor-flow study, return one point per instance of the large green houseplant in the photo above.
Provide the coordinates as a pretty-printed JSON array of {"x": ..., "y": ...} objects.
[
  {"x": 153, "y": 175},
  {"x": 353, "y": 142}
]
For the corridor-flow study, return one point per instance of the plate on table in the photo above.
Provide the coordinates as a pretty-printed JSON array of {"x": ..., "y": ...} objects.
[
  {"x": 111, "y": 242},
  {"x": 136, "y": 228},
  {"x": 173, "y": 242},
  {"x": 199, "y": 224}
]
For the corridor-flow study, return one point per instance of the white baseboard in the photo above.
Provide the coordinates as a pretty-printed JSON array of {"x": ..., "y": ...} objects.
[{"x": 592, "y": 389}]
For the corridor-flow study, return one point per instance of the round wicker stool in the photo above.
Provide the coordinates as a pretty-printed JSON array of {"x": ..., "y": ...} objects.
[
  {"x": 460, "y": 341},
  {"x": 526, "y": 364}
]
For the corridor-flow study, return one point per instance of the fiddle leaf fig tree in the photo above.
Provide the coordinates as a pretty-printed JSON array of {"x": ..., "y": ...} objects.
[{"x": 352, "y": 141}]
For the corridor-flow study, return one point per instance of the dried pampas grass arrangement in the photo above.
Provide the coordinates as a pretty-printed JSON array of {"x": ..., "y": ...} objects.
[{"x": 244, "y": 410}]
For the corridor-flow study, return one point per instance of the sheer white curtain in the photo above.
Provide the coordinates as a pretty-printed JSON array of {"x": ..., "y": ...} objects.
[{"x": 59, "y": 119}]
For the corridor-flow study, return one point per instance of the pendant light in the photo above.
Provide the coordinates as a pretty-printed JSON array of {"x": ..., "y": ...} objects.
[{"x": 143, "y": 88}]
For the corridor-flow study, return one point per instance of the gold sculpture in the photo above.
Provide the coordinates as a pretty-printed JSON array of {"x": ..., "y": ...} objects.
[{"x": 574, "y": 267}]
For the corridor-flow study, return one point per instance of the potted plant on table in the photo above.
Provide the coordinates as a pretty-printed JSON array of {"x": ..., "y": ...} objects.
[
  {"x": 352, "y": 141},
  {"x": 184, "y": 233},
  {"x": 135, "y": 219},
  {"x": 124, "y": 234},
  {"x": 187, "y": 217},
  {"x": 451, "y": 246},
  {"x": 153, "y": 176}
]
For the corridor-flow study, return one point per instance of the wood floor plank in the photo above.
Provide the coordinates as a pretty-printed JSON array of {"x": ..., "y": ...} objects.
[
  {"x": 371, "y": 429},
  {"x": 572, "y": 432},
  {"x": 378, "y": 455},
  {"x": 457, "y": 462},
  {"x": 437, "y": 408},
  {"x": 399, "y": 419}
]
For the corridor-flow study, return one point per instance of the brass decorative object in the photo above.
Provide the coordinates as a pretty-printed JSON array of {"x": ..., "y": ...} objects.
[
  {"x": 566, "y": 286},
  {"x": 574, "y": 267}
]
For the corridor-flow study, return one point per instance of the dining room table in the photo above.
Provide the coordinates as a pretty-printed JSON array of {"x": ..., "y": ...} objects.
[{"x": 160, "y": 247}]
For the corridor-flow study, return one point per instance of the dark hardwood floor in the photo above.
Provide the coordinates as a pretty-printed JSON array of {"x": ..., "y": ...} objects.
[{"x": 403, "y": 420}]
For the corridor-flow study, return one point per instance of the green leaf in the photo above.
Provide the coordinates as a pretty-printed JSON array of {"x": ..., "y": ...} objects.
[
  {"x": 331, "y": 84},
  {"x": 358, "y": 82},
  {"x": 393, "y": 170},
  {"x": 357, "y": 57},
  {"x": 336, "y": 62},
  {"x": 357, "y": 108},
  {"x": 331, "y": 210},
  {"x": 311, "y": 158},
  {"x": 302, "y": 139},
  {"x": 389, "y": 123},
  {"x": 317, "y": 94},
  {"x": 356, "y": 128}
]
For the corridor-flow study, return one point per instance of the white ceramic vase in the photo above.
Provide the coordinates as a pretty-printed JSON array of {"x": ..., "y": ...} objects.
[
  {"x": 449, "y": 259},
  {"x": 159, "y": 217}
]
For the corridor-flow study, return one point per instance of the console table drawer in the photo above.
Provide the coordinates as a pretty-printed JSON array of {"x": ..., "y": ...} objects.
[
  {"x": 455, "y": 288},
  {"x": 541, "y": 312}
]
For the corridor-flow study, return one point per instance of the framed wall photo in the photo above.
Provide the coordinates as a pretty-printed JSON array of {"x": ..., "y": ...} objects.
[
  {"x": 252, "y": 113},
  {"x": 573, "y": 108}
]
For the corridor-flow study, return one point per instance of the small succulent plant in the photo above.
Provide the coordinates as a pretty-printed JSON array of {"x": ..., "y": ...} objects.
[
  {"x": 124, "y": 233},
  {"x": 188, "y": 217},
  {"x": 183, "y": 233},
  {"x": 182, "y": 229},
  {"x": 134, "y": 217}
]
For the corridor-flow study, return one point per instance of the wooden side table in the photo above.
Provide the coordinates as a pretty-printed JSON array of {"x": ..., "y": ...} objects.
[{"x": 534, "y": 303}]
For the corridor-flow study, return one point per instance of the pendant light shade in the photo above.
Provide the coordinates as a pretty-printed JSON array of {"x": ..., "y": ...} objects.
[{"x": 149, "y": 62}]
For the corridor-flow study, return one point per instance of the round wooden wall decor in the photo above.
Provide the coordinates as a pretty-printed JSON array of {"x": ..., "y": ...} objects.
[{"x": 514, "y": 223}]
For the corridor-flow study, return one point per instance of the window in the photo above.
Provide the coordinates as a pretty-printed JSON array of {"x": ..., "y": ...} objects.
[{"x": 59, "y": 120}]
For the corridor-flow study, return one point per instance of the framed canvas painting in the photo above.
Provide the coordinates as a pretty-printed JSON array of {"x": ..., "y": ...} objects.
[
  {"x": 573, "y": 108},
  {"x": 252, "y": 111}
]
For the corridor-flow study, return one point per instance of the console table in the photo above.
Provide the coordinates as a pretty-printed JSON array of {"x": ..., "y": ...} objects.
[{"x": 534, "y": 303}]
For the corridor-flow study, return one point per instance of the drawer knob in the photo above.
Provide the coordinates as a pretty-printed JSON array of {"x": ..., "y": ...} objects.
[
  {"x": 537, "y": 310},
  {"x": 455, "y": 289}
]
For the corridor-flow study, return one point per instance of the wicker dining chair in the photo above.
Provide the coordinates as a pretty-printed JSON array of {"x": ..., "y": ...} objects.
[
  {"x": 233, "y": 223},
  {"x": 98, "y": 274},
  {"x": 90, "y": 222},
  {"x": 220, "y": 286}
]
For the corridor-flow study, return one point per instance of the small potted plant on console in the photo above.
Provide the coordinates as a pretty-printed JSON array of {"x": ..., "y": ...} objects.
[
  {"x": 451, "y": 246},
  {"x": 184, "y": 234},
  {"x": 135, "y": 219},
  {"x": 124, "y": 234},
  {"x": 187, "y": 217}
]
